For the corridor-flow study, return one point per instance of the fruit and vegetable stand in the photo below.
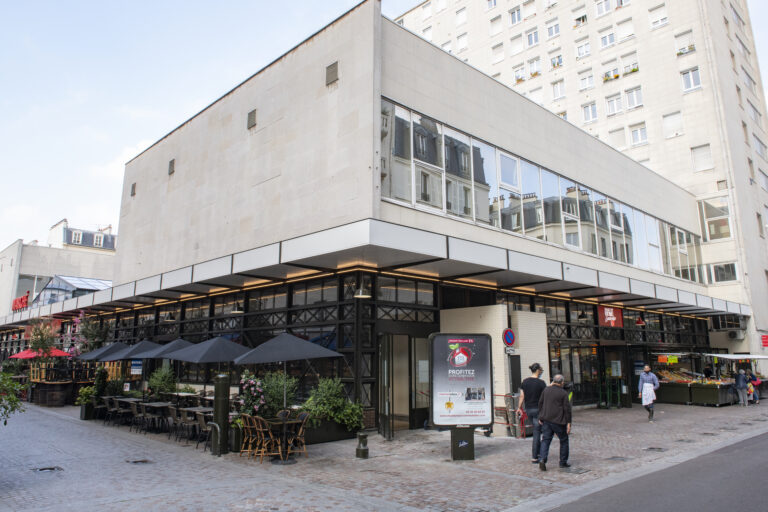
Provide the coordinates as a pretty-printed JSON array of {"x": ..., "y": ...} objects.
[{"x": 715, "y": 393}]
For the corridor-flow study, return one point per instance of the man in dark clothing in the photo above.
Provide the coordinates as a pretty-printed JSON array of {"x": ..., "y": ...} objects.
[
  {"x": 530, "y": 392},
  {"x": 555, "y": 418}
]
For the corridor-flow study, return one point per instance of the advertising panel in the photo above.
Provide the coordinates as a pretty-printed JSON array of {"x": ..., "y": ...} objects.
[
  {"x": 462, "y": 378},
  {"x": 610, "y": 317}
]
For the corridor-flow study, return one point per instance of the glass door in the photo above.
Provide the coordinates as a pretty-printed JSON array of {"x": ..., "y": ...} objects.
[
  {"x": 386, "y": 415},
  {"x": 419, "y": 382}
]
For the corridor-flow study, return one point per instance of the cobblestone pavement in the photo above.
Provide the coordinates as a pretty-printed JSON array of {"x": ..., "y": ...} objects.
[{"x": 413, "y": 472}]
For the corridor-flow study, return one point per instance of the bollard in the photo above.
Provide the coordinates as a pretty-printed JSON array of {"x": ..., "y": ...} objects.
[
  {"x": 361, "y": 452},
  {"x": 220, "y": 436}
]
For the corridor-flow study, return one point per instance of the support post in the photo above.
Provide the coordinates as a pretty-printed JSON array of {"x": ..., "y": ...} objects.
[{"x": 221, "y": 414}]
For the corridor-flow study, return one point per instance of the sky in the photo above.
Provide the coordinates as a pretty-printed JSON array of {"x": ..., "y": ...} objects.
[{"x": 86, "y": 85}]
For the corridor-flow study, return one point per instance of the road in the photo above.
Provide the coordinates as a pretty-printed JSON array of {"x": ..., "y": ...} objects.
[{"x": 732, "y": 478}]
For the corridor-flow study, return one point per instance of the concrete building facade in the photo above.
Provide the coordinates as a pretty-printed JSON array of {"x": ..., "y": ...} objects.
[{"x": 674, "y": 85}]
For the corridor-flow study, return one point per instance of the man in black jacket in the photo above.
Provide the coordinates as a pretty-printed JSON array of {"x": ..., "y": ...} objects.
[{"x": 555, "y": 418}]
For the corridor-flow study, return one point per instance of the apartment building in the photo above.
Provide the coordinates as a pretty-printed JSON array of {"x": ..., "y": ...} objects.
[{"x": 675, "y": 85}]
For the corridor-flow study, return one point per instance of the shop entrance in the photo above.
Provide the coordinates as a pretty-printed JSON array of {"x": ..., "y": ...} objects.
[
  {"x": 403, "y": 382},
  {"x": 614, "y": 391},
  {"x": 579, "y": 365}
]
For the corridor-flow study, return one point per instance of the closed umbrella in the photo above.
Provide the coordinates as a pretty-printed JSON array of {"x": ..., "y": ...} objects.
[
  {"x": 285, "y": 347},
  {"x": 103, "y": 351}
]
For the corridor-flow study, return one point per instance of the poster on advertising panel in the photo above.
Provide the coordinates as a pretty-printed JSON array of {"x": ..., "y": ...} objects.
[
  {"x": 610, "y": 317},
  {"x": 462, "y": 378}
]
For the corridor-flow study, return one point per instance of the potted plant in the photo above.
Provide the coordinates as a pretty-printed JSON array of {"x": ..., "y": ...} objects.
[
  {"x": 84, "y": 401},
  {"x": 332, "y": 416},
  {"x": 235, "y": 434},
  {"x": 274, "y": 384}
]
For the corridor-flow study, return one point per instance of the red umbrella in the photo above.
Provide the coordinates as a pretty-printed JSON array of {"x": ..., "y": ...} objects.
[{"x": 31, "y": 354}]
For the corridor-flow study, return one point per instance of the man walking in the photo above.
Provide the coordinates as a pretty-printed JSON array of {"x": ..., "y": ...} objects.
[
  {"x": 555, "y": 419},
  {"x": 530, "y": 392},
  {"x": 646, "y": 387}
]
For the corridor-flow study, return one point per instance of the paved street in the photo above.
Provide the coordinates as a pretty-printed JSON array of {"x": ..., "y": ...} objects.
[{"x": 411, "y": 473}]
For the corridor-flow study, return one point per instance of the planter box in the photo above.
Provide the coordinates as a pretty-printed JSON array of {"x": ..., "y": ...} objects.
[
  {"x": 327, "y": 431},
  {"x": 86, "y": 411},
  {"x": 702, "y": 394},
  {"x": 235, "y": 439}
]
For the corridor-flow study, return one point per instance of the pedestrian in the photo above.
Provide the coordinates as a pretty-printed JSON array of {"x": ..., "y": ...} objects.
[
  {"x": 741, "y": 387},
  {"x": 530, "y": 392},
  {"x": 752, "y": 379},
  {"x": 646, "y": 388},
  {"x": 708, "y": 372},
  {"x": 555, "y": 419}
]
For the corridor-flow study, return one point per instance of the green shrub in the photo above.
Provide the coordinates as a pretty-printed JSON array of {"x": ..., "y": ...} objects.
[
  {"x": 9, "y": 397},
  {"x": 162, "y": 380},
  {"x": 272, "y": 384},
  {"x": 84, "y": 395},
  {"x": 100, "y": 381},
  {"x": 114, "y": 387},
  {"x": 329, "y": 402}
]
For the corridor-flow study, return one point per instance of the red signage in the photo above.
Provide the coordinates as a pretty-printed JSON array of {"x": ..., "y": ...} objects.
[
  {"x": 764, "y": 338},
  {"x": 610, "y": 317},
  {"x": 20, "y": 303}
]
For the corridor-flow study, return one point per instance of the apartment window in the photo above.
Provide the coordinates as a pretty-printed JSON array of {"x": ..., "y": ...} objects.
[
  {"x": 702, "y": 158},
  {"x": 461, "y": 16},
  {"x": 684, "y": 43},
  {"x": 519, "y": 72},
  {"x": 634, "y": 98},
  {"x": 621, "y": 3},
  {"x": 171, "y": 166},
  {"x": 496, "y": 25},
  {"x": 721, "y": 273},
  {"x": 534, "y": 66},
  {"x": 426, "y": 11},
  {"x": 586, "y": 80},
  {"x": 461, "y": 42},
  {"x": 77, "y": 237},
  {"x": 553, "y": 28},
  {"x": 613, "y": 104},
  {"x": 714, "y": 215},
  {"x": 563, "y": 115},
  {"x": 625, "y": 30},
  {"x": 722, "y": 184},
  {"x": 582, "y": 48},
  {"x": 607, "y": 38},
  {"x": 738, "y": 93},
  {"x": 446, "y": 46},
  {"x": 748, "y": 80},
  {"x": 751, "y": 167},
  {"x": 737, "y": 19},
  {"x": 439, "y": 5},
  {"x": 558, "y": 89},
  {"x": 427, "y": 33},
  {"x": 672, "y": 124},
  {"x": 629, "y": 61},
  {"x": 536, "y": 95},
  {"x": 658, "y": 16},
  {"x": 611, "y": 70},
  {"x": 745, "y": 132},
  {"x": 763, "y": 180},
  {"x": 639, "y": 135},
  {"x": 556, "y": 61},
  {"x": 691, "y": 79},
  {"x": 590, "y": 112},
  {"x": 742, "y": 48},
  {"x": 760, "y": 227},
  {"x": 532, "y": 37},
  {"x": 754, "y": 114},
  {"x": 529, "y": 9},
  {"x": 760, "y": 147},
  {"x": 580, "y": 19},
  {"x": 516, "y": 45},
  {"x": 98, "y": 240},
  {"x": 733, "y": 60},
  {"x": 497, "y": 53},
  {"x": 514, "y": 15},
  {"x": 491, "y": 4},
  {"x": 603, "y": 7},
  {"x": 616, "y": 138}
]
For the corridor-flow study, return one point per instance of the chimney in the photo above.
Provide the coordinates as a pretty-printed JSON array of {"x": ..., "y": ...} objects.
[{"x": 107, "y": 230}]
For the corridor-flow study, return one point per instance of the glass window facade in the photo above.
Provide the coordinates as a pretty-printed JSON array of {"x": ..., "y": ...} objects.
[{"x": 462, "y": 176}]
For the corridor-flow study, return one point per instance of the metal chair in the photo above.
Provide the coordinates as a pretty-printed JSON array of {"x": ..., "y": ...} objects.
[
  {"x": 110, "y": 410},
  {"x": 150, "y": 419},
  {"x": 203, "y": 430},
  {"x": 138, "y": 419},
  {"x": 296, "y": 443},
  {"x": 98, "y": 409}
]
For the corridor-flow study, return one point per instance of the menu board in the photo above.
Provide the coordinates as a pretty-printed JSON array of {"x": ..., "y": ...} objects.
[{"x": 462, "y": 377}]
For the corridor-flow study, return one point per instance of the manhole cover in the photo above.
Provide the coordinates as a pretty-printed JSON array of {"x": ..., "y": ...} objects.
[
  {"x": 655, "y": 449},
  {"x": 617, "y": 458},
  {"x": 48, "y": 469},
  {"x": 708, "y": 434},
  {"x": 574, "y": 470},
  {"x": 139, "y": 461},
  {"x": 685, "y": 441}
]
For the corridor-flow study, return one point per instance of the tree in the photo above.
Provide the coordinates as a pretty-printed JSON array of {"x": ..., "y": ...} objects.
[
  {"x": 9, "y": 397},
  {"x": 90, "y": 333},
  {"x": 43, "y": 338}
]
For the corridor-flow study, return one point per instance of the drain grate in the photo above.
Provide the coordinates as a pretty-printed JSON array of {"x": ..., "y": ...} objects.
[
  {"x": 617, "y": 458},
  {"x": 655, "y": 449},
  {"x": 48, "y": 469},
  {"x": 139, "y": 461}
]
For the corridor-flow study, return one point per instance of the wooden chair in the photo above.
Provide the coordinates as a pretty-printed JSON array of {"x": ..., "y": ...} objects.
[
  {"x": 138, "y": 419},
  {"x": 150, "y": 419},
  {"x": 184, "y": 422},
  {"x": 171, "y": 420},
  {"x": 98, "y": 410},
  {"x": 110, "y": 410},
  {"x": 249, "y": 435},
  {"x": 203, "y": 431},
  {"x": 120, "y": 413},
  {"x": 269, "y": 444},
  {"x": 296, "y": 443}
]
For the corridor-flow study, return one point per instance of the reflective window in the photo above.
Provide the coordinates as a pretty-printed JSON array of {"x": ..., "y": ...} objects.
[
  {"x": 486, "y": 191},
  {"x": 427, "y": 148},
  {"x": 654, "y": 247},
  {"x": 722, "y": 272},
  {"x": 508, "y": 171},
  {"x": 551, "y": 195},
  {"x": 665, "y": 246},
  {"x": 601, "y": 219},
  {"x": 458, "y": 174},
  {"x": 396, "y": 151},
  {"x": 714, "y": 214},
  {"x": 627, "y": 216},
  {"x": 511, "y": 215},
  {"x": 532, "y": 214},
  {"x": 617, "y": 227},
  {"x": 587, "y": 217},
  {"x": 569, "y": 204}
]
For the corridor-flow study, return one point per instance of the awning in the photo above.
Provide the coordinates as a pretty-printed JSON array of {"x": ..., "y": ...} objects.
[{"x": 736, "y": 357}]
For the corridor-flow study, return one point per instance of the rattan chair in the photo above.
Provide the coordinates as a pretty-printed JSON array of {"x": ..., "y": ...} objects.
[
  {"x": 268, "y": 444},
  {"x": 296, "y": 443},
  {"x": 203, "y": 431},
  {"x": 284, "y": 414},
  {"x": 249, "y": 435}
]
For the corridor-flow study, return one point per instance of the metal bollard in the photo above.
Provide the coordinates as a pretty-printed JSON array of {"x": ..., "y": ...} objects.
[
  {"x": 221, "y": 413},
  {"x": 215, "y": 447},
  {"x": 361, "y": 452}
]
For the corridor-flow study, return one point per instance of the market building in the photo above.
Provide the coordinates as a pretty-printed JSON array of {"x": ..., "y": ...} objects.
[
  {"x": 674, "y": 85},
  {"x": 367, "y": 189}
]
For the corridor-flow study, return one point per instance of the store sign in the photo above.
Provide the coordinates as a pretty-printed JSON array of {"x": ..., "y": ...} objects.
[
  {"x": 462, "y": 377},
  {"x": 610, "y": 317},
  {"x": 672, "y": 359},
  {"x": 764, "y": 339},
  {"x": 20, "y": 303},
  {"x": 135, "y": 366}
]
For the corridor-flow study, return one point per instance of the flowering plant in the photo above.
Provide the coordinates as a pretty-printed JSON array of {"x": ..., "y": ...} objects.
[{"x": 251, "y": 394}]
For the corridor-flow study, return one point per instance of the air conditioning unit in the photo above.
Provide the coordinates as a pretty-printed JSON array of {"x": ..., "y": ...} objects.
[{"x": 736, "y": 335}]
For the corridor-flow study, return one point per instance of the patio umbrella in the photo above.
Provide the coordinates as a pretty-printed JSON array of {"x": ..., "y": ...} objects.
[
  {"x": 131, "y": 352},
  {"x": 31, "y": 354},
  {"x": 102, "y": 351},
  {"x": 285, "y": 347},
  {"x": 160, "y": 351},
  {"x": 214, "y": 350}
]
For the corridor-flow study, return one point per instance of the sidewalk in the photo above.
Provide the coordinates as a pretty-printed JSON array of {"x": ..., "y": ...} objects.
[{"x": 413, "y": 472}]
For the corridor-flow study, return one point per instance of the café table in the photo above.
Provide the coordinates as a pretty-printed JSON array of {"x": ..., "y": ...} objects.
[{"x": 282, "y": 425}]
